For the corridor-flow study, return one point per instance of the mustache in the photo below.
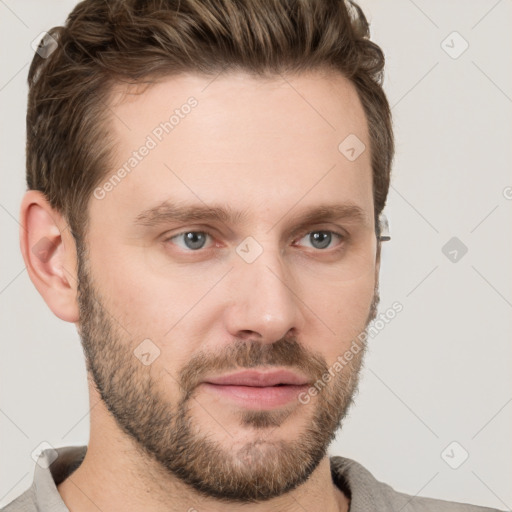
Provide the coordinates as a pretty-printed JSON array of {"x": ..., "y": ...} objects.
[{"x": 286, "y": 352}]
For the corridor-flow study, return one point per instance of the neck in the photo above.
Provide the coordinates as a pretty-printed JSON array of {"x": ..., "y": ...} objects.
[{"x": 116, "y": 475}]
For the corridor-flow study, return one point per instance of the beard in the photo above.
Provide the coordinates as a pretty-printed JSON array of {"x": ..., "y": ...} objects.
[{"x": 164, "y": 431}]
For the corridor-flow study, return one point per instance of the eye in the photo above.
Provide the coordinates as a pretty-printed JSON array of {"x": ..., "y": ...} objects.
[
  {"x": 193, "y": 240},
  {"x": 321, "y": 239}
]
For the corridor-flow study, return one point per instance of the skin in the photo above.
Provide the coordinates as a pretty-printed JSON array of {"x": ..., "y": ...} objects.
[{"x": 266, "y": 147}]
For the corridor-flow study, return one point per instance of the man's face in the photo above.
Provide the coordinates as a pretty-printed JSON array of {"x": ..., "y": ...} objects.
[{"x": 168, "y": 305}]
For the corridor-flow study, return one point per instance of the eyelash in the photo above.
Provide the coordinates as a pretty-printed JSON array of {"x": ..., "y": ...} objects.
[{"x": 341, "y": 237}]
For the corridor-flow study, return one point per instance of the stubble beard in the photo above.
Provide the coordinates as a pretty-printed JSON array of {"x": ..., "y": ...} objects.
[{"x": 257, "y": 470}]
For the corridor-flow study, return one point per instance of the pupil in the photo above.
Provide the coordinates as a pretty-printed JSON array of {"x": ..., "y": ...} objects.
[
  {"x": 192, "y": 238},
  {"x": 323, "y": 237}
]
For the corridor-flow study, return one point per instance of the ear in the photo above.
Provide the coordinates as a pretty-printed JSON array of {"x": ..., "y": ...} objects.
[
  {"x": 377, "y": 263},
  {"x": 49, "y": 251}
]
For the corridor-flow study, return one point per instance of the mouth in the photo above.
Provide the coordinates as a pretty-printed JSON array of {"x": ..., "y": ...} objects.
[{"x": 258, "y": 389}]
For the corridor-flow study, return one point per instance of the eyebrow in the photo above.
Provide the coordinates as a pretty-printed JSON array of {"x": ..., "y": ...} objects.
[{"x": 169, "y": 212}]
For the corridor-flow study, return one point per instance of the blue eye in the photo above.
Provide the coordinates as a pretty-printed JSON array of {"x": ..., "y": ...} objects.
[
  {"x": 322, "y": 239},
  {"x": 193, "y": 240}
]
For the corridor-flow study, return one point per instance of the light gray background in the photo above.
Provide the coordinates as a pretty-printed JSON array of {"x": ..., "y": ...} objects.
[{"x": 440, "y": 371}]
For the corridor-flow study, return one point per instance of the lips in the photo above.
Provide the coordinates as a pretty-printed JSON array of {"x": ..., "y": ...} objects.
[
  {"x": 259, "y": 379},
  {"x": 257, "y": 389}
]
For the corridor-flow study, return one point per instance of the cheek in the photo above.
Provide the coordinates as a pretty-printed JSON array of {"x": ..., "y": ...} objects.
[
  {"x": 147, "y": 306},
  {"x": 139, "y": 303},
  {"x": 343, "y": 298},
  {"x": 344, "y": 308}
]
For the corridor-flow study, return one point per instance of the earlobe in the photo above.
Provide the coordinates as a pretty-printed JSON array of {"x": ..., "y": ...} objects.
[{"x": 49, "y": 251}]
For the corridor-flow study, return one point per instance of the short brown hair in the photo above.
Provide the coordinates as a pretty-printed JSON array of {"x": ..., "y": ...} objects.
[{"x": 108, "y": 41}]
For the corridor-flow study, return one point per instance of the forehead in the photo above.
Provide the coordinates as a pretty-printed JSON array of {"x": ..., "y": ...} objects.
[
  {"x": 324, "y": 102},
  {"x": 252, "y": 142}
]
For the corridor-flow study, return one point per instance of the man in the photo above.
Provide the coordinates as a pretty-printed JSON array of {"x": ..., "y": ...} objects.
[{"x": 206, "y": 183}]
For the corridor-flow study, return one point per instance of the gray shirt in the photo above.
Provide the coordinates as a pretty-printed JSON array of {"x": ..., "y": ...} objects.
[{"x": 366, "y": 493}]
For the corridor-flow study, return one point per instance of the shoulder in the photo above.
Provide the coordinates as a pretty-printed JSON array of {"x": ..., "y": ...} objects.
[
  {"x": 368, "y": 494},
  {"x": 25, "y": 502},
  {"x": 420, "y": 504},
  {"x": 52, "y": 467}
]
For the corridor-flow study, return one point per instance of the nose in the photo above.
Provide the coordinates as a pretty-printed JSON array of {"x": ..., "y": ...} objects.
[{"x": 265, "y": 300}]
